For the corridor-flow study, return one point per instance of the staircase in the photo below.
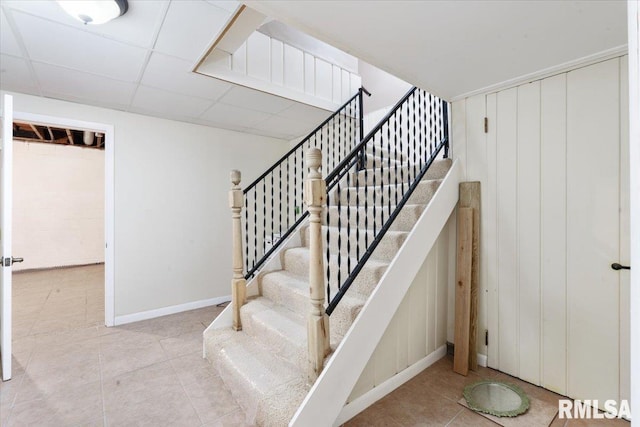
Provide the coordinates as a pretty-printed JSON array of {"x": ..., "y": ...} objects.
[{"x": 266, "y": 363}]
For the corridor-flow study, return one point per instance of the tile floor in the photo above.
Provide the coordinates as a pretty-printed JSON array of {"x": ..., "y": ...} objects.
[{"x": 69, "y": 370}]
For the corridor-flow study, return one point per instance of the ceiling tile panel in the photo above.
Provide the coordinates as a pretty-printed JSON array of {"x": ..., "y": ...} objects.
[
  {"x": 103, "y": 91},
  {"x": 137, "y": 26},
  {"x": 167, "y": 103},
  {"x": 15, "y": 75},
  {"x": 256, "y": 100},
  {"x": 173, "y": 74},
  {"x": 190, "y": 26},
  {"x": 228, "y": 5},
  {"x": 58, "y": 44},
  {"x": 222, "y": 114},
  {"x": 285, "y": 127},
  {"x": 8, "y": 43},
  {"x": 305, "y": 113}
]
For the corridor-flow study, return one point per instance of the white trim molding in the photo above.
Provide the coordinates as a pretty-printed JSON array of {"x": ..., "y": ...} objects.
[
  {"x": 548, "y": 72},
  {"x": 109, "y": 207},
  {"x": 172, "y": 309}
]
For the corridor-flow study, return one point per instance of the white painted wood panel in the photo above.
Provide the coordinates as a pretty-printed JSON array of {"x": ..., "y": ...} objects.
[
  {"x": 309, "y": 74},
  {"x": 506, "y": 191},
  {"x": 336, "y": 83},
  {"x": 593, "y": 142},
  {"x": 625, "y": 234},
  {"x": 418, "y": 327},
  {"x": 476, "y": 140},
  {"x": 488, "y": 245},
  {"x": 528, "y": 231},
  {"x": 459, "y": 133},
  {"x": 277, "y": 62},
  {"x": 239, "y": 60},
  {"x": 293, "y": 68},
  {"x": 324, "y": 78},
  {"x": 259, "y": 56},
  {"x": 553, "y": 272}
]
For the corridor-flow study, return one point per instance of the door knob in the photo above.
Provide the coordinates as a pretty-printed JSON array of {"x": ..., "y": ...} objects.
[
  {"x": 8, "y": 262},
  {"x": 14, "y": 260},
  {"x": 617, "y": 266}
]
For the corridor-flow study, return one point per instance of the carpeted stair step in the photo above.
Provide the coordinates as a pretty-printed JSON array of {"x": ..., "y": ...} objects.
[
  {"x": 405, "y": 220},
  {"x": 385, "y": 152},
  {"x": 380, "y": 194},
  {"x": 373, "y": 162},
  {"x": 268, "y": 388},
  {"x": 356, "y": 240},
  {"x": 281, "y": 330},
  {"x": 296, "y": 261},
  {"x": 437, "y": 170},
  {"x": 292, "y": 292}
]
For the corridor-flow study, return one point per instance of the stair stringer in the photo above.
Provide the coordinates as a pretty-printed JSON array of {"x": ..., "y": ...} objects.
[{"x": 327, "y": 397}]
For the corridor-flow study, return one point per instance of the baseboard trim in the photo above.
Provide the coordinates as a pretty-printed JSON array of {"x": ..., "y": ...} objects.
[
  {"x": 482, "y": 360},
  {"x": 173, "y": 309},
  {"x": 353, "y": 408}
]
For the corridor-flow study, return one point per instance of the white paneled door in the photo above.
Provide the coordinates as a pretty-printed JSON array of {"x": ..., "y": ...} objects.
[
  {"x": 558, "y": 219},
  {"x": 5, "y": 236}
]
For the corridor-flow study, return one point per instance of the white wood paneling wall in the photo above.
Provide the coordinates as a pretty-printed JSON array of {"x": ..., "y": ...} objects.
[
  {"x": 418, "y": 327},
  {"x": 549, "y": 299}
]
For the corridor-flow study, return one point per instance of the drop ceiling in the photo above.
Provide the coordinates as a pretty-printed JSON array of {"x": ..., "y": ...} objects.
[
  {"x": 140, "y": 63},
  {"x": 453, "y": 48}
]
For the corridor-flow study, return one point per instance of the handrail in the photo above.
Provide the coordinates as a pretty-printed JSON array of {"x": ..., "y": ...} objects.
[
  {"x": 420, "y": 133},
  {"x": 273, "y": 205},
  {"x": 301, "y": 143}
]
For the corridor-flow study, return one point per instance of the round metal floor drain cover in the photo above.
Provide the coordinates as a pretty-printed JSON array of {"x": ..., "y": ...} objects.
[{"x": 496, "y": 398}]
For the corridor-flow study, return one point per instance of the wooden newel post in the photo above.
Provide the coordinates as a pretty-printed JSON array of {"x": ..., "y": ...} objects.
[
  {"x": 318, "y": 322},
  {"x": 238, "y": 282}
]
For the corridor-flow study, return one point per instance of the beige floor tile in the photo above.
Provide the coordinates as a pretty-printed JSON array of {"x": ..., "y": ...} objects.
[
  {"x": 149, "y": 396},
  {"x": 182, "y": 344},
  {"x": 616, "y": 422},
  {"x": 78, "y": 406},
  {"x": 467, "y": 418},
  {"x": 234, "y": 419},
  {"x": 192, "y": 367},
  {"x": 141, "y": 350},
  {"x": 211, "y": 399}
]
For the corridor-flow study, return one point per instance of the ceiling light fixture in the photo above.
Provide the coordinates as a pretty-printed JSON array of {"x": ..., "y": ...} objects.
[{"x": 94, "y": 12}]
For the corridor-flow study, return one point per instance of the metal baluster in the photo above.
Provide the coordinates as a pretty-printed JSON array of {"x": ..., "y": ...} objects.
[
  {"x": 279, "y": 200},
  {"x": 381, "y": 135},
  {"x": 255, "y": 226},
  {"x": 415, "y": 136},
  {"x": 272, "y": 210},
  {"x": 389, "y": 168},
  {"x": 339, "y": 252},
  {"x": 288, "y": 203},
  {"x": 373, "y": 202},
  {"x": 264, "y": 215},
  {"x": 395, "y": 145},
  {"x": 246, "y": 231}
]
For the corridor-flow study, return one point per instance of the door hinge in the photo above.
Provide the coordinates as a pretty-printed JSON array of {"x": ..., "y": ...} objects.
[
  {"x": 486, "y": 337},
  {"x": 486, "y": 125}
]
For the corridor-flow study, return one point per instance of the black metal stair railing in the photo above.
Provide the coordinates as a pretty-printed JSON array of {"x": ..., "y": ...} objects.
[
  {"x": 273, "y": 203},
  {"x": 370, "y": 186}
]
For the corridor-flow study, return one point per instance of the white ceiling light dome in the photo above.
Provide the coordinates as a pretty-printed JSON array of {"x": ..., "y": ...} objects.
[{"x": 94, "y": 12}]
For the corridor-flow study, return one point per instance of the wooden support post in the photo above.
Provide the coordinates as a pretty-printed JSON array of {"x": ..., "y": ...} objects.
[
  {"x": 238, "y": 282},
  {"x": 463, "y": 291},
  {"x": 318, "y": 322},
  {"x": 470, "y": 198}
]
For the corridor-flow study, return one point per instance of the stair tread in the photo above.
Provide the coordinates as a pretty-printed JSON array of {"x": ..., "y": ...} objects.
[
  {"x": 261, "y": 369},
  {"x": 378, "y": 186},
  {"x": 371, "y": 261},
  {"x": 288, "y": 324}
]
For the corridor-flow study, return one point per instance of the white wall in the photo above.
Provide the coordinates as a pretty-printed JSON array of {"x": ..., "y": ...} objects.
[
  {"x": 386, "y": 89},
  {"x": 172, "y": 220},
  {"x": 419, "y": 326},
  {"x": 58, "y": 205},
  {"x": 531, "y": 255}
]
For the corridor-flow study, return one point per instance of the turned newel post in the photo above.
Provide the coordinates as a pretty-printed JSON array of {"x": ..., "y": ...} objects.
[
  {"x": 238, "y": 282},
  {"x": 315, "y": 195}
]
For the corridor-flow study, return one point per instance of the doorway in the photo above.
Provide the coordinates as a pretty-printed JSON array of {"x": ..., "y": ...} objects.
[{"x": 103, "y": 135}]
